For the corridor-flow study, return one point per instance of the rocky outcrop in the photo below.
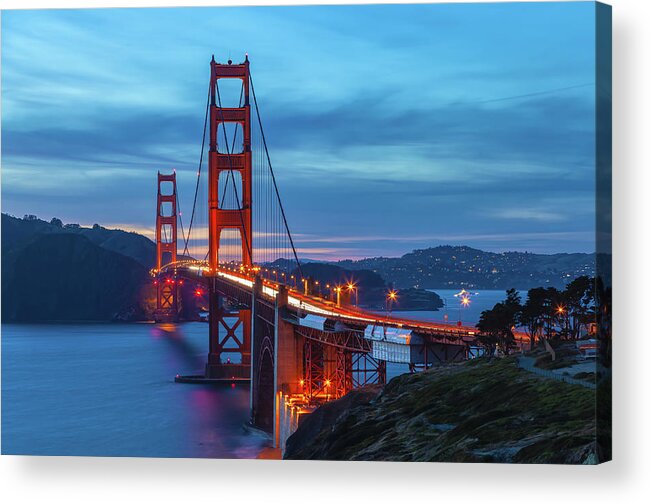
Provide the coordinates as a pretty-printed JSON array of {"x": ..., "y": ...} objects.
[{"x": 478, "y": 411}]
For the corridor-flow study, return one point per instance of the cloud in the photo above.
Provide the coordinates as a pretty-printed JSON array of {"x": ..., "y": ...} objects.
[
  {"x": 412, "y": 121},
  {"x": 529, "y": 214}
]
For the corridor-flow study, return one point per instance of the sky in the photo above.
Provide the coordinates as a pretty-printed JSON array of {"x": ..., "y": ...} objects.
[{"x": 390, "y": 128}]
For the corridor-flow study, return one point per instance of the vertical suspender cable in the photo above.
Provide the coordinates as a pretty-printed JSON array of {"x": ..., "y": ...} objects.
[
  {"x": 230, "y": 163},
  {"x": 273, "y": 178},
  {"x": 196, "y": 189}
]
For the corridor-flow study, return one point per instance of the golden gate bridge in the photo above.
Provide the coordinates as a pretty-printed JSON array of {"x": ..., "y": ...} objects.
[{"x": 296, "y": 346}]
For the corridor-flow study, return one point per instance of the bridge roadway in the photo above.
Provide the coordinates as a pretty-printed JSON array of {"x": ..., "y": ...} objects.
[{"x": 348, "y": 315}]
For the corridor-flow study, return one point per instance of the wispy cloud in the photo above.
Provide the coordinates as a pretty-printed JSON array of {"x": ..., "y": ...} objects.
[
  {"x": 529, "y": 214},
  {"x": 391, "y": 127}
]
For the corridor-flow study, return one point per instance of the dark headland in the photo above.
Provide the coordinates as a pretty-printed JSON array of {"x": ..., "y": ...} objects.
[
  {"x": 65, "y": 272},
  {"x": 477, "y": 411}
]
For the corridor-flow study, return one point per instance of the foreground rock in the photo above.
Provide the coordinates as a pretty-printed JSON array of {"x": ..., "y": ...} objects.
[{"x": 478, "y": 411}]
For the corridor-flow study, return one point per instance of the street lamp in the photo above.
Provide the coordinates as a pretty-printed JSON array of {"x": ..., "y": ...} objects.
[
  {"x": 464, "y": 301},
  {"x": 338, "y": 291},
  {"x": 445, "y": 304},
  {"x": 352, "y": 287},
  {"x": 392, "y": 296},
  {"x": 562, "y": 312}
]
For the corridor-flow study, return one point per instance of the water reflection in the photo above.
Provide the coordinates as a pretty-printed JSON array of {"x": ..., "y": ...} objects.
[
  {"x": 109, "y": 390},
  {"x": 183, "y": 348}
]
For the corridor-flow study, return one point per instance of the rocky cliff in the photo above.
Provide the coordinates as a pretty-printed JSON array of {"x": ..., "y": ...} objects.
[{"x": 478, "y": 411}]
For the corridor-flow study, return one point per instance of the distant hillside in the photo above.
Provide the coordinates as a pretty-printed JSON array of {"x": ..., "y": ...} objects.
[
  {"x": 24, "y": 240},
  {"x": 57, "y": 272},
  {"x": 372, "y": 288},
  {"x": 65, "y": 276},
  {"x": 454, "y": 267},
  {"x": 16, "y": 233}
]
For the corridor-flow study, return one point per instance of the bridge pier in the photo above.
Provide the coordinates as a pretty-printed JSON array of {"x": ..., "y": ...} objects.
[
  {"x": 261, "y": 396},
  {"x": 167, "y": 299},
  {"x": 223, "y": 338},
  {"x": 288, "y": 362}
]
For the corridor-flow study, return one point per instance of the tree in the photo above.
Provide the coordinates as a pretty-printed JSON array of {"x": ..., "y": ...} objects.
[
  {"x": 496, "y": 328},
  {"x": 603, "y": 300},
  {"x": 513, "y": 303},
  {"x": 579, "y": 297},
  {"x": 552, "y": 300},
  {"x": 533, "y": 312},
  {"x": 56, "y": 222}
]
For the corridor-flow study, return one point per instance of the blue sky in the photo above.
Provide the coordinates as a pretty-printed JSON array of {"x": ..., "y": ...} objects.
[{"x": 390, "y": 127}]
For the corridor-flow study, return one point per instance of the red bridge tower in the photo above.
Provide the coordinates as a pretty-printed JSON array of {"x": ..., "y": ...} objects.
[
  {"x": 166, "y": 247},
  {"x": 221, "y": 160}
]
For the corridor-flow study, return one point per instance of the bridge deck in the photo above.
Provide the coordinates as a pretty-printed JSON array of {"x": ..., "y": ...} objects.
[{"x": 351, "y": 316}]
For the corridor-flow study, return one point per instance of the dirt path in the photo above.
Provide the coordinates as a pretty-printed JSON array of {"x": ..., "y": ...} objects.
[{"x": 528, "y": 364}]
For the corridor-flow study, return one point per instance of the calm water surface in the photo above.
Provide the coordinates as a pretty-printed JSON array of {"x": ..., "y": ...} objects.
[
  {"x": 469, "y": 315},
  {"x": 109, "y": 390}
]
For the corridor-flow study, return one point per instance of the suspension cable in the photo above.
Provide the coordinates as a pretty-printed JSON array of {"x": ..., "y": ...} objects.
[
  {"x": 179, "y": 214},
  {"x": 196, "y": 188},
  {"x": 273, "y": 178},
  {"x": 230, "y": 164}
]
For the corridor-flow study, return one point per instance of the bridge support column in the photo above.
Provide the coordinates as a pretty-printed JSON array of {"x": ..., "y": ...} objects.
[
  {"x": 256, "y": 340},
  {"x": 288, "y": 360},
  {"x": 167, "y": 298},
  {"x": 261, "y": 396},
  {"x": 224, "y": 339},
  {"x": 167, "y": 291},
  {"x": 343, "y": 381}
]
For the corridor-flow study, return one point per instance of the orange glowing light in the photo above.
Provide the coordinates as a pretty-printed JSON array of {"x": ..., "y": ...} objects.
[
  {"x": 465, "y": 301},
  {"x": 393, "y": 295},
  {"x": 327, "y": 383}
]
